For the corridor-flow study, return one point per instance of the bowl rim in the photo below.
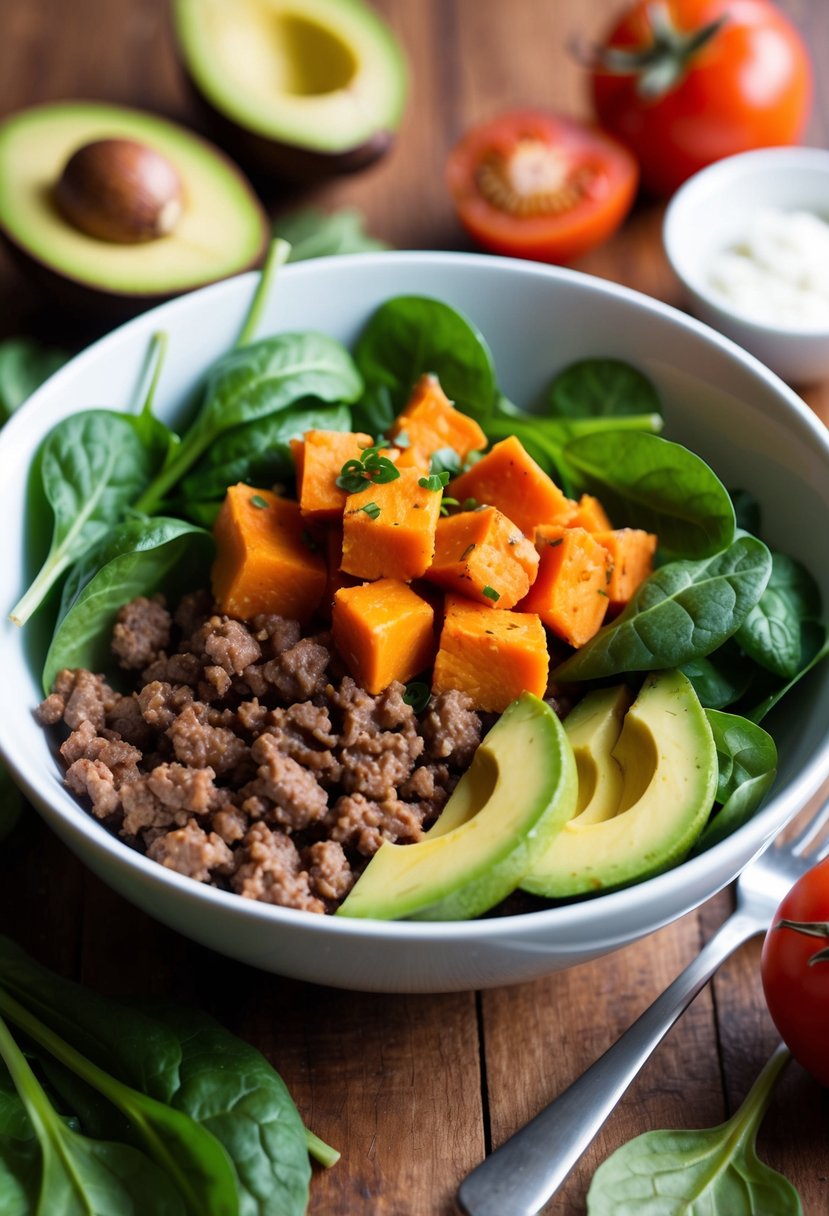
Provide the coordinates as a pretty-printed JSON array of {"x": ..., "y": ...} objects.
[
  {"x": 709, "y": 183},
  {"x": 571, "y": 916}
]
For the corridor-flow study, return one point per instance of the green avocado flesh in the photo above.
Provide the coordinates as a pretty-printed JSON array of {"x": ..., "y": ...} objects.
[
  {"x": 221, "y": 230},
  {"x": 660, "y": 764},
  {"x": 324, "y": 75},
  {"x": 514, "y": 797}
]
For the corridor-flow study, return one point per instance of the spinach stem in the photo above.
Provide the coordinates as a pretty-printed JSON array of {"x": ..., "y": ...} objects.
[
  {"x": 46, "y": 577},
  {"x": 26, "y": 1083},
  {"x": 151, "y": 374},
  {"x": 320, "y": 1151},
  {"x": 748, "y": 1118},
  {"x": 277, "y": 256}
]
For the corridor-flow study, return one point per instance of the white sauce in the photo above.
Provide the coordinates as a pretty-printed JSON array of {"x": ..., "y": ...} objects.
[{"x": 778, "y": 273}]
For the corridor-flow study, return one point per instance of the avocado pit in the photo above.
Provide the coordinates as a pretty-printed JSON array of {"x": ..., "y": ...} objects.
[{"x": 120, "y": 190}]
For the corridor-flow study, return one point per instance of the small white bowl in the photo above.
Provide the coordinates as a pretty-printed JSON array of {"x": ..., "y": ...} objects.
[{"x": 711, "y": 213}]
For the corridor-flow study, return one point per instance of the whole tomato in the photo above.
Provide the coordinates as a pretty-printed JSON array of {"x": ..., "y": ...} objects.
[
  {"x": 795, "y": 970},
  {"x": 686, "y": 82}
]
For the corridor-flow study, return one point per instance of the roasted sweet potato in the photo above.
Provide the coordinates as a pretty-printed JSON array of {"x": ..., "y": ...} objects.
[
  {"x": 631, "y": 556},
  {"x": 319, "y": 456},
  {"x": 484, "y": 556},
  {"x": 389, "y": 529},
  {"x": 263, "y": 563},
  {"x": 492, "y": 656},
  {"x": 570, "y": 593},
  {"x": 590, "y": 514},
  {"x": 430, "y": 422},
  {"x": 508, "y": 478},
  {"x": 384, "y": 631}
]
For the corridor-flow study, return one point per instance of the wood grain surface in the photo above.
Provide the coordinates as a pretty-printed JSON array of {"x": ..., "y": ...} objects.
[{"x": 412, "y": 1089}]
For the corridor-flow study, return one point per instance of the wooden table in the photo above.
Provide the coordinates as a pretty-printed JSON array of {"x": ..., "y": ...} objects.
[{"x": 413, "y": 1089}]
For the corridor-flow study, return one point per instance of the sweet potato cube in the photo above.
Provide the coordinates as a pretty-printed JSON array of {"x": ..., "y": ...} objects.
[
  {"x": 570, "y": 593},
  {"x": 431, "y": 422},
  {"x": 484, "y": 556},
  {"x": 631, "y": 561},
  {"x": 319, "y": 457},
  {"x": 492, "y": 656},
  {"x": 384, "y": 632},
  {"x": 508, "y": 478},
  {"x": 263, "y": 563},
  {"x": 590, "y": 514},
  {"x": 389, "y": 529},
  {"x": 411, "y": 457}
]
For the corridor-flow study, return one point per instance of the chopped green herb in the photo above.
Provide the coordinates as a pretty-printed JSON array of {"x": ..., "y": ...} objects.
[
  {"x": 417, "y": 695},
  {"x": 402, "y": 440},
  {"x": 601, "y": 591},
  {"x": 446, "y": 460},
  {"x": 492, "y": 594},
  {"x": 469, "y": 504},
  {"x": 258, "y": 501},
  {"x": 308, "y": 541},
  {"x": 370, "y": 469},
  {"x": 371, "y": 509},
  {"x": 434, "y": 482},
  {"x": 466, "y": 552}
]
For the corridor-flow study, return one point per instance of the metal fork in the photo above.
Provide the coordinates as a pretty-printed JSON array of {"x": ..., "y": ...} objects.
[{"x": 520, "y": 1176}]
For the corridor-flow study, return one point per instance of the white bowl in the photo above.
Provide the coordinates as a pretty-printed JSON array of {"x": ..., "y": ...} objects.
[
  {"x": 718, "y": 400},
  {"x": 711, "y": 211}
]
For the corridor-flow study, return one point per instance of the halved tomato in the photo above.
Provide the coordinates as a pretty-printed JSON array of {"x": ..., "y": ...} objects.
[{"x": 532, "y": 184}]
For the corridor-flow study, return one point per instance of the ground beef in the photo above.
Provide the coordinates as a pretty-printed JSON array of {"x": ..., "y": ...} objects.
[{"x": 244, "y": 756}]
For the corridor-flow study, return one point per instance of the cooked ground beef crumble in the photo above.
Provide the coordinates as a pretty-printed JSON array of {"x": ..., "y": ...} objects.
[{"x": 246, "y": 757}]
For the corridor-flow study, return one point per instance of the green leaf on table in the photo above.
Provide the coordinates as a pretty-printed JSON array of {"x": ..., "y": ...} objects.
[
  {"x": 698, "y": 1173},
  {"x": 314, "y": 233},
  {"x": 24, "y": 365},
  {"x": 747, "y": 766},
  {"x": 601, "y": 388},
  {"x": 683, "y": 611},
  {"x": 770, "y": 634}
]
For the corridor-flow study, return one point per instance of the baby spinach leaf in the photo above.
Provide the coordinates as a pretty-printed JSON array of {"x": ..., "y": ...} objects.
[
  {"x": 698, "y": 1173},
  {"x": 601, "y": 388},
  {"x": 374, "y": 412},
  {"x": 24, "y": 365},
  {"x": 91, "y": 466},
  {"x": 657, "y": 485},
  {"x": 156, "y": 436},
  {"x": 770, "y": 634},
  {"x": 683, "y": 611},
  {"x": 11, "y": 805},
  {"x": 253, "y": 382},
  {"x": 722, "y": 677},
  {"x": 410, "y": 335},
  {"x": 747, "y": 511},
  {"x": 747, "y": 760},
  {"x": 314, "y": 233},
  {"x": 814, "y": 645},
  {"x": 136, "y": 558}
]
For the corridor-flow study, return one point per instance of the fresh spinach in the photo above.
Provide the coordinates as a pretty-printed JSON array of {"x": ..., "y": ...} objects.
[
  {"x": 770, "y": 634},
  {"x": 135, "y": 558},
  {"x": 747, "y": 511},
  {"x": 156, "y": 436},
  {"x": 256, "y": 381},
  {"x": 747, "y": 766},
  {"x": 722, "y": 677},
  {"x": 601, "y": 388},
  {"x": 410, "y": 335},
  {"x": 684, "y": 610},
  {"x": 698, "y": 1173},
  {"x": 24, "y": 365},
  {"x": 814, "y": 645},
  {"x": 11, "y": 806},
  {"x": 90, "y": 467},
  {"x": 313, "y": 233},
  {"x": 651, "y": 483}
]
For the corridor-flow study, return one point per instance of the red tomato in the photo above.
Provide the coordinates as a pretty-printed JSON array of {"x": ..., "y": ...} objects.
[
  {"x": 795, "y": 969},
  {"x": 535, "y": 185},
  {"x": 678, "y": 108}
]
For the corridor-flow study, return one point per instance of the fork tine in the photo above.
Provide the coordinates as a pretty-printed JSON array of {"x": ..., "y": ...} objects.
[{"x": 810, "y": 832}]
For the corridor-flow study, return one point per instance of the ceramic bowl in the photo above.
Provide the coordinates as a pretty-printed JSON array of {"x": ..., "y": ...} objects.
[
  {"x": 718, "y": 400},
  {"x": 711, "y": 211}
]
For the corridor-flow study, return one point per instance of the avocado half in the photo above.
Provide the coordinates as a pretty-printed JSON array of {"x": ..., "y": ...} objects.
[
  {"x": 222, "y": 228},
  {"x": 300, "y": 89}
]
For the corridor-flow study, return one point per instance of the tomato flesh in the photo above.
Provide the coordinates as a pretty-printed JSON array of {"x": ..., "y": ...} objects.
[
  {"x": 795, "y": 983},
  {"x": 535, "y": 185}
]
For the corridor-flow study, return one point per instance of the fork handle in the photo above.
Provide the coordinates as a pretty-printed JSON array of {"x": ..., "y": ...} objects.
[{"x": 521, "y": 1175}]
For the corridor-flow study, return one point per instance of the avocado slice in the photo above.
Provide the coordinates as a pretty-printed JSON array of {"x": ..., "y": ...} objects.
[
  {"x": 221, "y": 229},
  {"x": 518, "y": 791},
  {"x": 666, "y": 755},
  {"x": 593, "y": 728},
  {"x": 302, "y": 89}
]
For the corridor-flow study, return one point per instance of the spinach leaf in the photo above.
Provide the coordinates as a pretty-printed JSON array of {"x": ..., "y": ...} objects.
[
  {"x": 770, "y": 634},
  {"x": 684, "y": 610},
  {"x": 698, "y": 1173},
  {"x": 11, "y": 806},
  {"x": 722, "y": 677},
  {"x": 314, "y": 233},
  {"x": 156, "y": 436},
  {"x": 253, "y": 382},
  {"x": 601, "y": 388},
  {"x": 260, "y": 452},
  {"x": 374, "y": 412},
  {"x": 19, "y": 1153},
  {"x": 91, "y": 466},
  {"x": 747, "y": 511},
  {"x": 657, "y": 485},
  {"x": 24, "y": 365},
  {"x": 747, "y": 760},
  {"x": 78, "y": 1176},
  {"x": 410, "y": 335},
  {"x": 814, "y": 643},
  {"x": 136, "y": 558}
]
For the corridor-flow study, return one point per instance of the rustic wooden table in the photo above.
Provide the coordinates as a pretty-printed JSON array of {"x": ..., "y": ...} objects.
[{"x": 413, "y": 1089}]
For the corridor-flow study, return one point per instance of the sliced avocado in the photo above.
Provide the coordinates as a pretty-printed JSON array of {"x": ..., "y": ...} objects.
[
  {"x": 593, "y": 729},
  {"x": 513, "y": 798},
  {"x": 303, "y": 88},
  {"x": 666, "y": 756},
  {"x": 220, "y": 228}
]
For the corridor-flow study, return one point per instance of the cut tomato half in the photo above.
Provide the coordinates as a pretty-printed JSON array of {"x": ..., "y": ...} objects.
[{"x": 531, "y": 184}]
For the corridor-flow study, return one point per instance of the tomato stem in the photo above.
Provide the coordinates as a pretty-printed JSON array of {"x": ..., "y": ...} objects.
[{"x": 811, "y": 928}]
